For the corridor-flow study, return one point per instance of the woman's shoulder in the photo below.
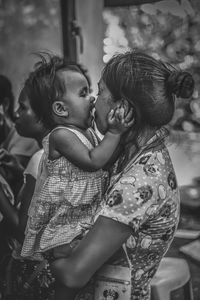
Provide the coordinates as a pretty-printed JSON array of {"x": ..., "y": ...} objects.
[{"x": 154, "y": 164}]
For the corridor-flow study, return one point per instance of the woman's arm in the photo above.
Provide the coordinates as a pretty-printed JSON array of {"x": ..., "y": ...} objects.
[{"x": 99, "y": 244}]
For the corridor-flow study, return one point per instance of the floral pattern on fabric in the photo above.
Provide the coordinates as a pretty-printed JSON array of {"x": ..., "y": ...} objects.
[{"x": 146, "y": 198}]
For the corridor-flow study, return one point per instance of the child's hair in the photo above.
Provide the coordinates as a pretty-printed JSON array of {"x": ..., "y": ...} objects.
[
  {"x": 6, "y": 92},
  {"x": 148, "y": 85},
  {"x": 44, "y": 86}
]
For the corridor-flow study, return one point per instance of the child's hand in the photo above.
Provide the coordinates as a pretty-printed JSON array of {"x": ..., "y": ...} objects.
[{"x": 119, "y": 120}]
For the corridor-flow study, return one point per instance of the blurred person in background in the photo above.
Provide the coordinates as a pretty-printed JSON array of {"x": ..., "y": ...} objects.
[
  {"x": 12, "y": 145},
  {"x": 15, "y": 209},
  {"x": 15, "y": 152}
]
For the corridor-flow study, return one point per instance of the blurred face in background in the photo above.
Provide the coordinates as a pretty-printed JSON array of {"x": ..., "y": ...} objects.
[{"x": 27, "y": 124}]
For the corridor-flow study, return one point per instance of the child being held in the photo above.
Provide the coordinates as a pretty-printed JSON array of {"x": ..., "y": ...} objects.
[{"x": 71, "y": 182}]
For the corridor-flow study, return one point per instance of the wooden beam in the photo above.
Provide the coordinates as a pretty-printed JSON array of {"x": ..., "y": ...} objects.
[
  {"x": 67, "y": 8},
  {"x": 113, "y": 3}
]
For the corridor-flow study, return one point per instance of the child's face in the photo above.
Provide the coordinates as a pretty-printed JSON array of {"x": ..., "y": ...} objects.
[
  {"x": 26, "y": 122},
  {"x": 77, "y": 99}
]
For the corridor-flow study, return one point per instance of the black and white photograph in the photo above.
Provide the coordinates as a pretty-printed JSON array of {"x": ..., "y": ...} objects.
[{"x": 99, "y": 150}]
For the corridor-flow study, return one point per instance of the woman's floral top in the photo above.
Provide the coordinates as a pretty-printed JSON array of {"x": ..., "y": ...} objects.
[{"x": 146, "y": 197}]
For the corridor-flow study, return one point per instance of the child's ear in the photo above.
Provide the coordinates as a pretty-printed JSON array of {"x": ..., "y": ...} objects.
[{"x": 60, "y": 109}]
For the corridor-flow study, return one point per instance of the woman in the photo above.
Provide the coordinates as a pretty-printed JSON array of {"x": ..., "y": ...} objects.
[
  {"x": 13, "y": 269},
  {"x": 12, "y": 145},
  {"x": 140, "y": 213}
]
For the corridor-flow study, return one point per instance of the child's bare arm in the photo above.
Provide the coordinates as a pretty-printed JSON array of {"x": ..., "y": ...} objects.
[{"x": 69, "y": 145}]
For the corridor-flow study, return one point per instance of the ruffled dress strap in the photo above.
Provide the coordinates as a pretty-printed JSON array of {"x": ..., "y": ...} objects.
[{"x": 94, "y": 136}]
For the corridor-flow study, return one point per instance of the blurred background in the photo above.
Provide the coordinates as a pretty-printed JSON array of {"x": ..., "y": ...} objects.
[{"x": 91, "y": 31}]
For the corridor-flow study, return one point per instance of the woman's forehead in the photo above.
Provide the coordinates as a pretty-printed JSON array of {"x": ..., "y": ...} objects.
[
  {"x": 101, "y": 82},
  {"x": 102, "y": 85},
  {"x": 23, "y": 95}
]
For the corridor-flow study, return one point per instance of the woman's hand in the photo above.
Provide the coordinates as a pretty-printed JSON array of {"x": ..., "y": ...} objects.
[
  {"x": 119, "y": 119},
  {"x": 12, "y": 170},
  {"x": 10, "y": 167},
  {"x": 10, "y": 161}
]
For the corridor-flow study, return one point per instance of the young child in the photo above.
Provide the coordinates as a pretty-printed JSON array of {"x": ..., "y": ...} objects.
[{"x": 71, "y": 182}]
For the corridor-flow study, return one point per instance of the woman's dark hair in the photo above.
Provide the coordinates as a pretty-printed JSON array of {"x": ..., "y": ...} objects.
[
  {"x": 149, "y": 85},
  {"x": 6, "y": 92},
  {"x": 44, "y": 86}
]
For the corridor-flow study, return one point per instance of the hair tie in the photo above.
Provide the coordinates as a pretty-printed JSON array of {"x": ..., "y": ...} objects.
[{"x": 181, "y": 84}]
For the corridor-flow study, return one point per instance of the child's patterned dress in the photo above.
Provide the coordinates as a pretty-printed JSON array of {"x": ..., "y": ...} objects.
[{"x": 65, "y": 201}]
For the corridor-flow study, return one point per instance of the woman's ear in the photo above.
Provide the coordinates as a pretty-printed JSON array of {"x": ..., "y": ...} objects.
[{"x": 60, "y": 109}]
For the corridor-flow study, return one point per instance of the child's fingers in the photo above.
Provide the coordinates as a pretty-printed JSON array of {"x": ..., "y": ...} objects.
[
  {"x": 126, "y": 106},
  {"x": 119, "y": 116},
  {"x": 111, "y": 114},
  {"x": 129, "y": 115},
  {"x": 129, "y": 124}
]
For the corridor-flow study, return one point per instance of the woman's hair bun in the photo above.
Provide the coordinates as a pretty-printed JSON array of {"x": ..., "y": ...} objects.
[{"x": 181, "y": 84}]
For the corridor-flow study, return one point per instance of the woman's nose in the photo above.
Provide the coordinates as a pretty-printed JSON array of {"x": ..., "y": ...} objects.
[{"x": 92, "y": 99}]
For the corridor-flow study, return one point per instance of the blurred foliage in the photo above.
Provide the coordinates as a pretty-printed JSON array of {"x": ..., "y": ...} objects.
[
  {"x": 169, "y": 30},
  {"x": 27, "y": 26}
]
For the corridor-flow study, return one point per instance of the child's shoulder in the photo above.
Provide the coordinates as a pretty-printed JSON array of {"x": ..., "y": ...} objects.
[
  {"x": 61, "y": 131},
  {"x": 66, "y": 134}
]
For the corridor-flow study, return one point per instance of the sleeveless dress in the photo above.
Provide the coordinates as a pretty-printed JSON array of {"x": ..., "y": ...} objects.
[{"x": 65, "y": 201}]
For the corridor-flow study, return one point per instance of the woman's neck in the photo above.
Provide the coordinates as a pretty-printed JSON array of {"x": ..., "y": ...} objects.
[
  {"x": 141, "y": 141},
  {"x": 145, "y": 135}
]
